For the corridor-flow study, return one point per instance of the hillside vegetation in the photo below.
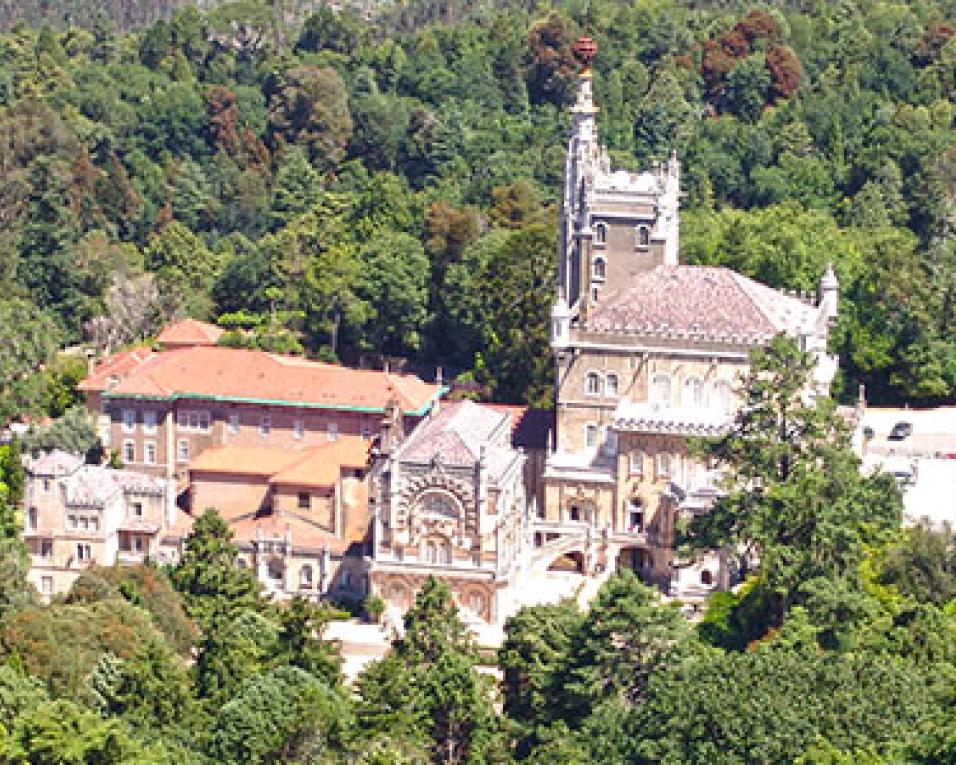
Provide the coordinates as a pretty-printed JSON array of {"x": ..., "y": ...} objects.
[{"x": 361, "y": 189}]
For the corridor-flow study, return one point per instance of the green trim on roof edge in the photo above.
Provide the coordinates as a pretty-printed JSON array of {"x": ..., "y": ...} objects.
[{"x": 421, "y": 411}]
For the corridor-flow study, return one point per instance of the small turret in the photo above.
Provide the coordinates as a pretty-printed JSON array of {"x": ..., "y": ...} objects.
[
  {"x": 560, "y": 322},
  {"x": 830, "y": 293}
]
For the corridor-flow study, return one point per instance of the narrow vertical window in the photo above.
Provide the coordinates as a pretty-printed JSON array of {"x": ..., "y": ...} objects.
[
  {"x": 599, "y": 269},
  {"x": 600, "y": 234}
]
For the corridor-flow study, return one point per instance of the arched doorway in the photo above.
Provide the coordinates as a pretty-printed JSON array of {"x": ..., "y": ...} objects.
[{"x": 572, "y": 562}]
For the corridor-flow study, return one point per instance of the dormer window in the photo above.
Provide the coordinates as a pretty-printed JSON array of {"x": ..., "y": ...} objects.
[
  {"x": 643, "y": 237},
  {"x": 599, "y": 269},
  {"x": 600, "y": 234}
]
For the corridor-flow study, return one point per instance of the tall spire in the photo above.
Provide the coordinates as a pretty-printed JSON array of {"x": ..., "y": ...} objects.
[{"x": 584, "y": 110}]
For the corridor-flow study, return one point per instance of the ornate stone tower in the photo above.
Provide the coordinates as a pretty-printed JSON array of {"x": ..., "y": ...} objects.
[
  {"x": 613, "y": 223},
  {"x": 648, "y": 354}
]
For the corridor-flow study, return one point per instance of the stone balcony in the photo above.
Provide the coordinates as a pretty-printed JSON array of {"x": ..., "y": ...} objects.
[{"x": 644, "y": 417}]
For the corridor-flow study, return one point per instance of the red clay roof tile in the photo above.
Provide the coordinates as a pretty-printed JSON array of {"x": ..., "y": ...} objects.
[{"x": 250, "y": 375}]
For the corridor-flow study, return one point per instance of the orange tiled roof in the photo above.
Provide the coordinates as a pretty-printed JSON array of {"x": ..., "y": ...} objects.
[
  {"x": 303, "y": 533},
  {"x": 318, "y": 466},
  {"x": 117, "y": 365},
  {"x": 323, "y": 465},
  {"x": 245, "y": 460},
  {"x": 234, "y": 374},
  {"x": 190, "y": 332}
]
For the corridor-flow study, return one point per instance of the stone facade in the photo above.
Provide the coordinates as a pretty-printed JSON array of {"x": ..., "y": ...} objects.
[
  {"x": 648, "y": 353},
  {"x": 299, "y": 517},
  {"x": 160, "y": 410},
  {"x": 77, "y": 515},
  {"x": 450, "y": 501}
]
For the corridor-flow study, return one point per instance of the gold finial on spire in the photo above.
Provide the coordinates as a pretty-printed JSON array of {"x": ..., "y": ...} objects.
[{"x": 585, "y": 49}]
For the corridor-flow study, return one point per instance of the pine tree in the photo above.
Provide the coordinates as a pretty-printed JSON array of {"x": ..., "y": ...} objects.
[
  {"x": 427, "y": 688},
  {"x": 795, "y": 501},
  {"x": 208, "y": 576}
]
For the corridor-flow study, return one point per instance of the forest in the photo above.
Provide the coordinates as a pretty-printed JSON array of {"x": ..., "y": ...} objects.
[
  {"x": 838, "y": 649},
  {"x": 382, "y": 186}
]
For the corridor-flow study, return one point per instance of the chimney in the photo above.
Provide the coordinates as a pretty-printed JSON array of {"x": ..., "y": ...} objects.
[{"x": 439, "y": 383}]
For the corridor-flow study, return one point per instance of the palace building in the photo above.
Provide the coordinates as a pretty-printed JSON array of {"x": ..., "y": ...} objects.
[
  {"x": 648, "y": 352},
  {"x": 450, "y": 501},
  {"x": 78, "y": 515},
  {"x": 162, "y": 409}
]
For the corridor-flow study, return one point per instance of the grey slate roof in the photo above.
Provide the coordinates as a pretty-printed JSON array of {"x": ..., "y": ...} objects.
[
  {"x": 707, "y": 302},
  {"x": 94, "y": 485},
  {"x": 55, "y": 464},
  {"x": 457, "y": 435}
]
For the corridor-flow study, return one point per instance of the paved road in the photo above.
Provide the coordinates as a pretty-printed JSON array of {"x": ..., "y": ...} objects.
[{"x": 934, "y": 431}]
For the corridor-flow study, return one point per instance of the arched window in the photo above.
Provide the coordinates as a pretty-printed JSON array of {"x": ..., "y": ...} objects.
[
  {"x": 693, "y": 393},
  {"x": 723, "y": 397},
  {"x": 437, "y": 551},
  {"x": 600, "y": 234},
  {"x": 662, "y": 389},
  {"x": 439, "y": 503},
  {"x": 476, "y": 603},
  {"x": 592, "y": 384},
  {"x": 599, "y": 269},
  {"x": 643, "y": 236},
  {"x": 305, "y": 577},
  {"x": 610, "y": 384}
]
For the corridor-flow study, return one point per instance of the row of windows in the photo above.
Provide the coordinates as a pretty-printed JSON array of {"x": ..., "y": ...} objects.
[
  {"x": 275, "y": 570},
  {"x": 129, "y": 421},
  {"x": 83, "y": 522},
  {"x": 190, "y": 420},
  {"x": 596, "y": 384},
  {"x": 608, "y": 439},
  {"x": 642, "y": 235},
  {"x": 662, "y": 390},
  {"x": 149, "y": 452},
  {"x": 197, "y": 421},
  {"x": 437, "y": 552},
  {"x": 663, "y": 464},
  {"x": 133, "y": 543}
]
